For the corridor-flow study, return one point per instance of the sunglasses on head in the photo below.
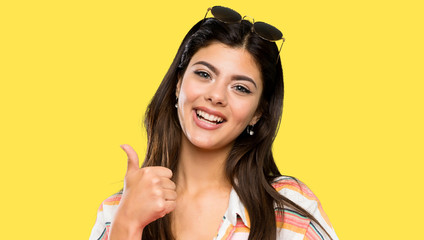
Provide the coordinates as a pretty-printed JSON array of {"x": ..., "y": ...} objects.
[{"x": 263, "y": 30}]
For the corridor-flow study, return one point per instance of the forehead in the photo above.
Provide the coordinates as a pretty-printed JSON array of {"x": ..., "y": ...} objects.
[{"x": 231, "y": 60}]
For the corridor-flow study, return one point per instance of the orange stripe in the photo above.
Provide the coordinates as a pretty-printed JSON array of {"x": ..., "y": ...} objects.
[
  {"x": 242, "y": 229},
  {"x": 321, "y": 211},
  {"x": 113, "y": 200},
  {"x": 293, "y": 228},
  {"x": 229, "y": 232}
]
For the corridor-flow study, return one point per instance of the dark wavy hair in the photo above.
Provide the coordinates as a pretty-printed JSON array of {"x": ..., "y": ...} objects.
[{"x": 250, "y": 165}]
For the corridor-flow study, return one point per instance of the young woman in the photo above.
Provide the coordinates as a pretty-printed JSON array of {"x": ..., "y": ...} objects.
[{"x": 209, "y": 172}]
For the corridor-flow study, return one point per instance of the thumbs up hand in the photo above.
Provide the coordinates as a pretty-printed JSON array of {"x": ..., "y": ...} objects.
[{"x": 149, "y": 194}]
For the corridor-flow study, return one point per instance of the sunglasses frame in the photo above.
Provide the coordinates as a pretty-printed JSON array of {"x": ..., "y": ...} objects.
[{"x": 210, "y": 9}]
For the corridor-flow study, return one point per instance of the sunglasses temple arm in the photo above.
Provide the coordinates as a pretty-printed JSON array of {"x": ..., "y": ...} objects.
[
  {"x": 209, "y": 9},
  {"x": 281, "y": 47}
]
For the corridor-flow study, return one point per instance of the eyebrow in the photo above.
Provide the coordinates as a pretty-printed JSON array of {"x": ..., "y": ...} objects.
[{"x": 216, "y": 71}]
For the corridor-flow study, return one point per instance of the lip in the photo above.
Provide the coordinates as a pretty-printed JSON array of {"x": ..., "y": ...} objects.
[{"x": 206, "y": 125}]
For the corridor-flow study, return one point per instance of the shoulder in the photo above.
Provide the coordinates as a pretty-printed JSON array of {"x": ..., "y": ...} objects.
[
  {"x": 294, "y": 222},
  {"x": 105, "y": 215},
  {"x": 290, "y": 186},
  {"x": 112, "y": 200},
  {"x": 297, "y": 192},
  {"x": 109, "y": 206}
]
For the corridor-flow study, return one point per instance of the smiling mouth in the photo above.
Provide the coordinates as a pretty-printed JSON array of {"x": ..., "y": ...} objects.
[{"x": 209, "y": 118}]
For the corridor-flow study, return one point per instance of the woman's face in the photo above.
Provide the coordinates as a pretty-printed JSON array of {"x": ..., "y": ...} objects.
[{"x": 218, "y": 95}]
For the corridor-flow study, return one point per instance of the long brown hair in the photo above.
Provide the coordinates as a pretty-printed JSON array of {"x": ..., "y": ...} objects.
[{"x": 250, "y": 165}]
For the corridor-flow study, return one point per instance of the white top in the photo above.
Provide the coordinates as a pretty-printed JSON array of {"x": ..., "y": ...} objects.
[{"x": 235, "y": 223}]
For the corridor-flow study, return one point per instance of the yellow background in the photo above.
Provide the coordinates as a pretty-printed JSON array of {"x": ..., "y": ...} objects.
[{"x": 76, "y": 76}]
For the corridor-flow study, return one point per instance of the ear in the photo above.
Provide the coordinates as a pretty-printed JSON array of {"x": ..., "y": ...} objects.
[
  {"x": 177, "y": 90},
  {"x": 255, "y": 118}
]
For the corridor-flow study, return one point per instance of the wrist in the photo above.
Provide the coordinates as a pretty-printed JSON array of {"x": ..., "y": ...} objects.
[{"x": 122, "y": 228}]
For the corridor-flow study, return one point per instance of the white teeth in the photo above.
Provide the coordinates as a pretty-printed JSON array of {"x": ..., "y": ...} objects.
[{"x": 209, "y": 117}]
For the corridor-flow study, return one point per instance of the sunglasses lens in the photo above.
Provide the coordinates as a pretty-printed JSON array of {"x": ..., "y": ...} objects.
[
  {"x": 267, "y": 31},
  {"x": 226, "y": 15}
]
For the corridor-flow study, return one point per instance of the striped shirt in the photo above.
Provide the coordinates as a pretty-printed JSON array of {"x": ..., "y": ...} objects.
[{"x": 235, "y": 223}]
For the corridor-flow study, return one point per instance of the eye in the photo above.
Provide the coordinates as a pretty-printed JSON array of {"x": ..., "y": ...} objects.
[
  {"x": 202, "y": 74},
  {"x": 242, "y": 89}
]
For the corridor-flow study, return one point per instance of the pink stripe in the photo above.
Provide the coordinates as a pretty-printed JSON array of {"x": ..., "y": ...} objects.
[
  {"x": 302, "y": 187},
  {"x": 311, "y": 234},
  {"x": 296, "y": 221}
]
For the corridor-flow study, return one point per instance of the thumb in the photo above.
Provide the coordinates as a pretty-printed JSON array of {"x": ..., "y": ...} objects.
[{"x": 132, "y": 158}]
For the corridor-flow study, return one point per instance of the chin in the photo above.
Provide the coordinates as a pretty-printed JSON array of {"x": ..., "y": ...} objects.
[{"x": 208, "y": 144}]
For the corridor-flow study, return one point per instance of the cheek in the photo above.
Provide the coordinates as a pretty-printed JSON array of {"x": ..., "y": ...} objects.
[
  {"x": 188, "y": 94},
  {"x": 190, "y": 91},
  {"x": 244, "y": 111}
]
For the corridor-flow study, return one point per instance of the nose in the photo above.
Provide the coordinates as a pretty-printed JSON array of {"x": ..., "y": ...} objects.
[{"x": 217, "y": 94}]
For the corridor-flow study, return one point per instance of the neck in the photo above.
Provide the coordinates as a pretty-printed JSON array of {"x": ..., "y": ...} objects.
[{"x": 200, "y": 169}]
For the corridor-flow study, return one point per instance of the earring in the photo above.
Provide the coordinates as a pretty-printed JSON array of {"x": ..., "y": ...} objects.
[
  {"x": 249, "y": 130},
  {"x": 176, "y": 104}
]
